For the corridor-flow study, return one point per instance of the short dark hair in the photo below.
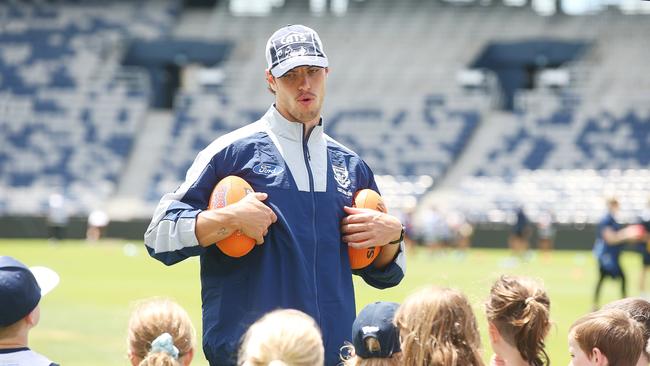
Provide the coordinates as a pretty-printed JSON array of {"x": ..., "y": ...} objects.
[{"x": 613, "y": 332}]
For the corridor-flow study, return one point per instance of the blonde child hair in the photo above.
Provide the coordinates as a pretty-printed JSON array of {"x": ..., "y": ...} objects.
[
  {"x": 283, "y": 337},
  {"x": 161, "y": 334},
  {"x": 519, "y": 309},
  {"x": 610, "y": 334},
  {"x": 438, "y": 328}
]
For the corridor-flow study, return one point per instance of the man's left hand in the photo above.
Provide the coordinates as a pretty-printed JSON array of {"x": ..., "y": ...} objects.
[{"x": 364, "y": 228}]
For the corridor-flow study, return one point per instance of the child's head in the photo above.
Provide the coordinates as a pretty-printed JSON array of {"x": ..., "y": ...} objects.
[
  {"x": 160, "y": 333},
  {"x": 639, "y": 310},
  {"x": 518, "y": 310},
  {"x": 375, "y": 339},
  {"x": 605, "y": 338},
  {"x": 21, "y": 289},
  {"x": 282, "y": 337},
  {"x": 437, "y": 327}
]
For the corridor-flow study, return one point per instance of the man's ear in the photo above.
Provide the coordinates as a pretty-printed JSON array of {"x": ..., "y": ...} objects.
[
  {"x": 493, "y": 332},
  {"x": 270, "y": 79}
]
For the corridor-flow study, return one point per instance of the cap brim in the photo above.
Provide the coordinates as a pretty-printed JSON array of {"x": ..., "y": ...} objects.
[
  {"x": 292, "y": 62},
  {"x": 47, "y": 279}
]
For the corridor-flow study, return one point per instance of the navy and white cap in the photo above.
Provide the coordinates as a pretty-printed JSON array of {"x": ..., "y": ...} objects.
[
  {"x": 376, "y": 321},
  {"x": 293, "y": 46},
  {"x": 21, "y": 288}
]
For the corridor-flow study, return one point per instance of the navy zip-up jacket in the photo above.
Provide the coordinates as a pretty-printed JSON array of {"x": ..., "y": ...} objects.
[{"x": 303, "y": 263}]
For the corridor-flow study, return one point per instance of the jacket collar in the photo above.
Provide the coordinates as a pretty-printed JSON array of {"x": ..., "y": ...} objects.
[{"x": 287, "y": 129}]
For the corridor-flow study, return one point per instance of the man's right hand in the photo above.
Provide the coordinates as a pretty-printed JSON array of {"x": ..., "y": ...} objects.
[
  {"x": 253, "y": 216},
  {"x": 250, "y": 215}
]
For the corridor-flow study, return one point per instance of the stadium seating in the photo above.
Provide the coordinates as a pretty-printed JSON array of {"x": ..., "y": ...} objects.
[
  {"x": 70, "y": 113},
  {"x": 572, "y": 196},
  {"x": 199, "y": 118},
  {"x": 568, "y": 134}
]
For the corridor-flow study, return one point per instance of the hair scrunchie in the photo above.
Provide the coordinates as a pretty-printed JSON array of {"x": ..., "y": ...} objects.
[{"x": 164, "y": 343}]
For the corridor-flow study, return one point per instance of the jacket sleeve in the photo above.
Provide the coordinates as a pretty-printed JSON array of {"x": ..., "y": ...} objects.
[
  {"x": 170, "y": 237},
  {"x": 394, "y": 272},
  {"x": 390, "y": 276}
]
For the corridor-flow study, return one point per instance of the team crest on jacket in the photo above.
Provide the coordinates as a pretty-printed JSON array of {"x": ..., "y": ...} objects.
[{"x": 341, "y": 174}]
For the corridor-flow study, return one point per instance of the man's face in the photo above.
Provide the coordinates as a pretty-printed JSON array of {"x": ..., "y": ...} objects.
[
  {"x": 578, "y": 356},
  {"x": 299, "y": 93}
]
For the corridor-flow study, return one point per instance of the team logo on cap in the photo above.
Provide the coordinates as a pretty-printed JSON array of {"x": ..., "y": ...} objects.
[
  {"x": 293, "y": 38},
  {"x": 370, "y": 329},
  {"x": 293, "y": 45}
]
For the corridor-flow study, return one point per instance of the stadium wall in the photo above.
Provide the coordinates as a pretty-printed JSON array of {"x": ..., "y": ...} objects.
[{"x": 568, "y": 237}]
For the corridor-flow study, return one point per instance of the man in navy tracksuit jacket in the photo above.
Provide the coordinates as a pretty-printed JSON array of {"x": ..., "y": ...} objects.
[{"x": 304, "y": 183}]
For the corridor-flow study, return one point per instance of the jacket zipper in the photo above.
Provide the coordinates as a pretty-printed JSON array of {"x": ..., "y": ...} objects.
[{"x": 307, "y": 158}]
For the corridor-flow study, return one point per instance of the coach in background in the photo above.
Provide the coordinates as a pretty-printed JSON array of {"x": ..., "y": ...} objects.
[{"x": 305, "y": 182}]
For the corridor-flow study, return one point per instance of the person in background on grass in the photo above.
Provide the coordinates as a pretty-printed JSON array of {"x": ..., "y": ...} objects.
[
  {"x": 605, "y": 338},
  {"x": 57, "y": 217},
  {"x": 375, "y": 339},
  {"x": 21, "y": 289},
  {"x": 438, "y": 328},
  {"x": 546, "y": 231},
  {"x": 97, "y": 222},
  {"x": 283, "y": 337},
  {"x": 639, "y": 310},
  {"x": 520, "y": 235},
  {"x": 518, "y": 322},
  {"x": 644, "y": 248},
  {"x": 160, "y": 333},
  {"x": 610, "y": 238}
]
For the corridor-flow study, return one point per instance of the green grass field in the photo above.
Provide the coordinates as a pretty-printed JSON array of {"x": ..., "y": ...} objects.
[{"x": 84, "y": 320}]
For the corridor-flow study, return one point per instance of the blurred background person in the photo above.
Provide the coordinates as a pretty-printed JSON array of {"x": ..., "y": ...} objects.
[
  {"x": 57, "y": 217},
  {"x": 520, "y": 234},
  {"x": 545, "y": 231},
  {"x": 461, "y": 230},
  {"x": 97, "y": 222},
  {"x": 644, "y": 248},
  {"x": 610, "y": 238}
]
